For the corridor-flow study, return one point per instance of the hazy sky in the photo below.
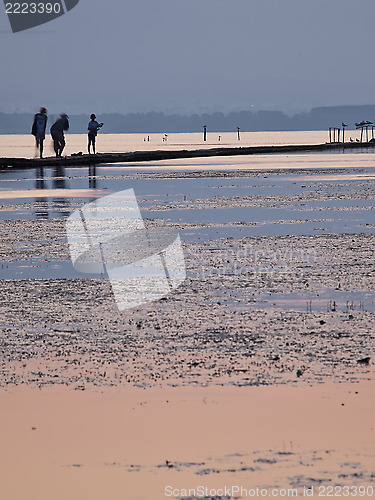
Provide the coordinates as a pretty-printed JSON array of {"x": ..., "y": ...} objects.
[{"x": 192, "y": 56}]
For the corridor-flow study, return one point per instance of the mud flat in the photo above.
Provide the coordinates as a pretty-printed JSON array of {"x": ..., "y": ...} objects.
[
  {"x": 217, "y": 385},
  {"x": 258, "y": 371},
  {"x": 234, "y": 321}
]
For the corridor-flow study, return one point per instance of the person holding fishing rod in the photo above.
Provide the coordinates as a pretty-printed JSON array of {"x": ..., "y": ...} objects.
[{"x": 93, "y": 128}]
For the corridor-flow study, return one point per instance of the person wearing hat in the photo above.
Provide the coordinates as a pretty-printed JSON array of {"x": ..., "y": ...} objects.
[
  {"x": 39, "y": 129},
  {"x": 57, "y": 133},
  {"x": 93, "y": 128}
]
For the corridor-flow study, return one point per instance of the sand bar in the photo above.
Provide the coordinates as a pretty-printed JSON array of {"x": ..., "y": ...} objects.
[{"x": 142, "y": 156}]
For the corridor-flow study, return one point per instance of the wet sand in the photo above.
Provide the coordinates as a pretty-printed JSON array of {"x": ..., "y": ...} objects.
[{"x": 237, "y": 321}]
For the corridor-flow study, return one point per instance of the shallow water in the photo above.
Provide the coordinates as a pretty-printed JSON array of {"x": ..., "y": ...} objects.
[
  {"x": 204, "y": 199},
  {"x": 275, "y": 203}
]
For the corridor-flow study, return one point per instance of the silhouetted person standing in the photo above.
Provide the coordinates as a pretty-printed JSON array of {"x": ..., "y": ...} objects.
[
  {"x": 93, "y": 128},
  {"x": 57, "y": 133},
  {"x": 39, "y": 129}
]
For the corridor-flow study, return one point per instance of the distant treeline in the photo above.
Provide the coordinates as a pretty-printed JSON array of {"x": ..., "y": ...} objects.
[{"x": 146, "y": 123}]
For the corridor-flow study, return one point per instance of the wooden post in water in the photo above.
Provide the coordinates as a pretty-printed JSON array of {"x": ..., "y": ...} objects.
[
  {"x": 238, "y": 133},
  {"x": 343, "y": 131},
  {"x": 361, "y": 133},
  {"x": 366, "y": 133},
  {"x": 338, "y": 135},
  {"x": 205, "y": 132},
  {"x": 330, "y": 134}
]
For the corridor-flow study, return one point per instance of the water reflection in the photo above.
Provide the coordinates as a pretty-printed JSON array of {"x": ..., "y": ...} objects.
[
  {"x": 56, "y": 179},
  {"x": 92, "y": 176},
  {"x": 59, "y": 182},
  {"x": 41, "y": 204}
]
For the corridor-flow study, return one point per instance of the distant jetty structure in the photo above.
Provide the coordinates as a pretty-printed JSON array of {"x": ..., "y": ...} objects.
[
  {"x": 364, "y": 128},
  {"x": 333, "y": 132}
]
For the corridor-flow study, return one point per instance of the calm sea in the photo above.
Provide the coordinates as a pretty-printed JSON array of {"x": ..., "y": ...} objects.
[{"x": 24, "y": 145}]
